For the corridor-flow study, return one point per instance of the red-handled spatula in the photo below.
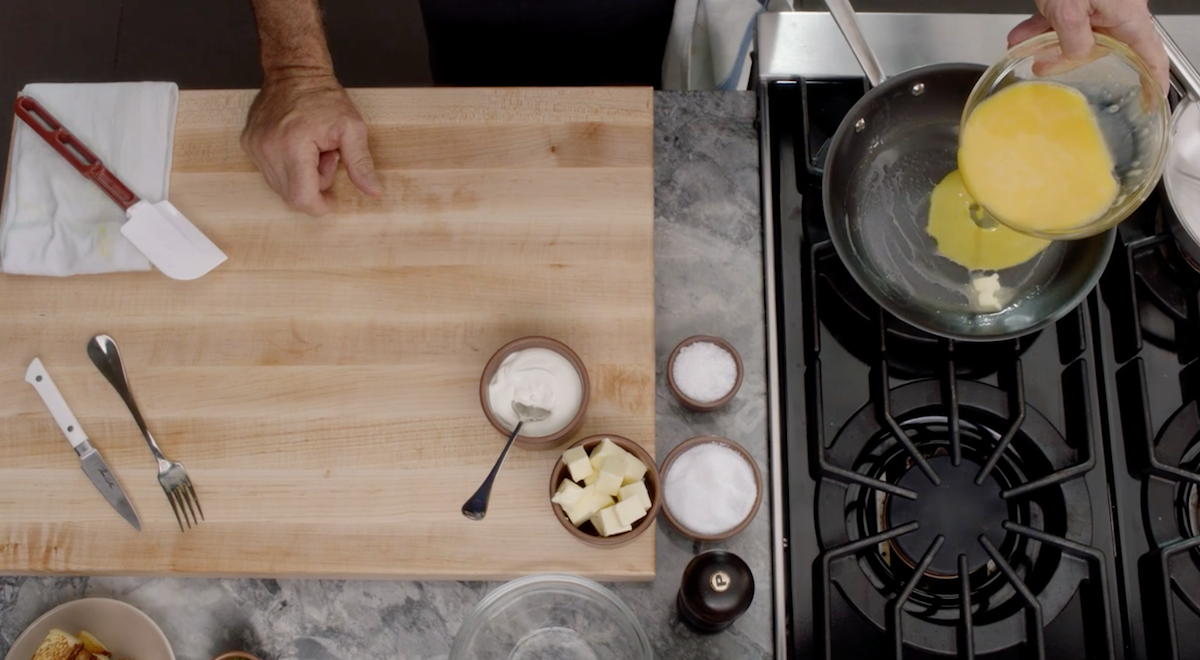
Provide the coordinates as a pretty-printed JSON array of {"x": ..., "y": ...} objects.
[{"x": 169, "y": 240}]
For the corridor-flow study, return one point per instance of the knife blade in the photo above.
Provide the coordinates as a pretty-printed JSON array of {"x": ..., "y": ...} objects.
[{"x": 91, "y": 461}]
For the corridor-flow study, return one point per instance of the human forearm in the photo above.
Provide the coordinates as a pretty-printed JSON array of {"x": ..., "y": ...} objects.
[{"x": 291, "y": 39}]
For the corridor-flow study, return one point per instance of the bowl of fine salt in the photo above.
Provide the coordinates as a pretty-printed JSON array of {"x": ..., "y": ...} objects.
[
  {"x": 704, "y": 372},
  {"x": 711, "y": 488}
]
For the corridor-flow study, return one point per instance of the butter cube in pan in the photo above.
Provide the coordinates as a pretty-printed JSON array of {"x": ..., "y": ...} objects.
[
  {"x": 577, "y": 462},
  {"x": 568, "y": 494},
  {"x": 628, "y": 512},
  {"x": 606, "y": 523},
  {"x": 603, "y": 450},
  {"x": 612, "y": 473},
  {"x": 635, "y": 491}
]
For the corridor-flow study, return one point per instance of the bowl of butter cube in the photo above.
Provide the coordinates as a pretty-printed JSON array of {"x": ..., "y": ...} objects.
[{"x": 605, "y": 490}]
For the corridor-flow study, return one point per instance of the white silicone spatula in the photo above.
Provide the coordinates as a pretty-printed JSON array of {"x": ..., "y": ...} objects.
[{"x": 169, "y": 240}]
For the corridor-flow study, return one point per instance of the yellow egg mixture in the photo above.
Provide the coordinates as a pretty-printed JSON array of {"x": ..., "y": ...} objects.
[
  {"x": 960, "y": 240},
  {"x": 1032, "y": 154}
]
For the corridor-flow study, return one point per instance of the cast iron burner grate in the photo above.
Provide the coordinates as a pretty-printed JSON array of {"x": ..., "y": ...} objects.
[
  {"x": 946, "y": 508},
  {"x": 1151, "y": 308},
  {"x": 943, "y": 499}
]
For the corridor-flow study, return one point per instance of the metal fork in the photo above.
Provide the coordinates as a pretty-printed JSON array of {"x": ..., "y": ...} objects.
[{"x": 171, "y": 474}]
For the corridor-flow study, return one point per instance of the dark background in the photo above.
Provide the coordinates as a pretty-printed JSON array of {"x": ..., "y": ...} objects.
[{"x": 212, "y": 43}]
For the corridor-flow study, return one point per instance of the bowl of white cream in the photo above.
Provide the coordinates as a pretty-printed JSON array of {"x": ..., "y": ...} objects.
[{"x": 537, "y": 372}]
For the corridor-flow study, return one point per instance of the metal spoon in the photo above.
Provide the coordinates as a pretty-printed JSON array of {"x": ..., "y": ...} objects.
[{"x": 476, "y": 507}]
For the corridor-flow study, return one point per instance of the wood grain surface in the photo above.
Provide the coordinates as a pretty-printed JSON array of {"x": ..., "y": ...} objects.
[{"x": 322, "y": 385}]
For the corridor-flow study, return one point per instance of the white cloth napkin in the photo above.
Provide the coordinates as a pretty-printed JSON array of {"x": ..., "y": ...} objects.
[
  {"x": 710, "y": 41},
  {"x": 56, "y": 222}
]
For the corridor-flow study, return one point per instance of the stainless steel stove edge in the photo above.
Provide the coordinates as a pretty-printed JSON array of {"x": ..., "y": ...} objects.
[
  {"x": 793, "y": 44},
  {"x": 775, "y": 446}
]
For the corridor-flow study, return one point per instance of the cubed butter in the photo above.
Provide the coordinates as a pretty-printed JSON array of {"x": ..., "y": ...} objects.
[
  {"x": 611, "y": 475},
  {"x": 606, "y": 523},
  {"x": 586, "y": 506},
  {"x": 577, "y": 462},
  {"x": 635, "y": 491},
  {"x": 568, "y": 493},
  {"x": 628, "y": 512},
  {"x": 603, "y": 450},
  {"x": 603, "y": 501},
  {"x": 635, "y": 469},
  {"x": 591, "y": 478}
]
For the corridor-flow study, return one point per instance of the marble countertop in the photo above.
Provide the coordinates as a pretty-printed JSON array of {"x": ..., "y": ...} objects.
[{"x": 708, "y": 280}]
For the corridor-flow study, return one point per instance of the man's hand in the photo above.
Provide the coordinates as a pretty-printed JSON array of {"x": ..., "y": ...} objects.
[
  {"x": 302, "y": 122},
  {"x": 297, "y": 131},
  {"x": 1074, "y": 20}
]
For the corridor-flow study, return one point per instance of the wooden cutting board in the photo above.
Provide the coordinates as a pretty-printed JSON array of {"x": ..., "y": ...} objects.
[{"x": 321, "y": 386}]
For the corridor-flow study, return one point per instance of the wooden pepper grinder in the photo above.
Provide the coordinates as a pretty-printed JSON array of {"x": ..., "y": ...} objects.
[{"x": 716, "y": 589}]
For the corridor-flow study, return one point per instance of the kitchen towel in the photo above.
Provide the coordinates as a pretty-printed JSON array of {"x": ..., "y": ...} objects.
[
  {"x": 710, "y": 42},
  {"x": 56, "y": 222}
]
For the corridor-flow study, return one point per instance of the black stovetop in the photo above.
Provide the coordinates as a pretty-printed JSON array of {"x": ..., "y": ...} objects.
[{"x": 1039, "y": 484}]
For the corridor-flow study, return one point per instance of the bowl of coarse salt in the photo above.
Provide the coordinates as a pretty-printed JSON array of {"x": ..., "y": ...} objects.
[
  {"x": 704, "y": 372},
  {"x": 711, "y": 488}
]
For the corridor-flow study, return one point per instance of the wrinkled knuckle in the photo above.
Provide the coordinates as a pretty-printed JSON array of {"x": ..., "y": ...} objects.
[
  {"x": 295, "y": 199},
  {"x": 1068, "y": 17},
  {"x": 355, "y": 127}
]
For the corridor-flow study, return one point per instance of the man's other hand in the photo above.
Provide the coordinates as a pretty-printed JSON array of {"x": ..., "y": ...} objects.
[{"x": 297, "y": 131}]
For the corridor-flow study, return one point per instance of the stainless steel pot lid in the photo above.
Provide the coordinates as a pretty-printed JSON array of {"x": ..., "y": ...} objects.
[{"x": 1181, "y": 178}]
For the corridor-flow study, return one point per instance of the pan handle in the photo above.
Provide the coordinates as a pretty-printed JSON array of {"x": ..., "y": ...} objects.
[
  {"x": 847, "y": 22},
  {"x": 1186, "y": 74}
]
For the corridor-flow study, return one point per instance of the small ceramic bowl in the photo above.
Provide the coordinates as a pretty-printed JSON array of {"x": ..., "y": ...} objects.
[
  {"x": 690, "y": 403},
  {"x": 665, "y": 469},
  {"x": 535, "y": 442},
  {"x": 236, "y": 655},
  {"x": 653, "y": 488}
]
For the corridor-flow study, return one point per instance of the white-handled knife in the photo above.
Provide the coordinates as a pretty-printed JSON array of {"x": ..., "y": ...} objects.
[{"x": 93, "y": 464}]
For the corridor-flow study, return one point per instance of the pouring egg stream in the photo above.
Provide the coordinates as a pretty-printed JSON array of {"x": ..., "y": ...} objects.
[{"x": 1031, "y": 154}]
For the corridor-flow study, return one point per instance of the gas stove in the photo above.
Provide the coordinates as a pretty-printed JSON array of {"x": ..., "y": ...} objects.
[
  {"x": 1149, "y": 305},
  {"x": 1028, "y": 498}
]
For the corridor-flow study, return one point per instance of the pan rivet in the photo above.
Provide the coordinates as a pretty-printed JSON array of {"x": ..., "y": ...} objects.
[
  {"x": 860, "y": 125},
  {"x": 918, "y": 89}
]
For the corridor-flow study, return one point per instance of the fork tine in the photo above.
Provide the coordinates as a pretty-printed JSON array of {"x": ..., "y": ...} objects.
[
  {"x": 175, "y": 508},
  {"x": 183, "y": 495},
  {"x": 182, "y": 509},
  {"x": 195, "y": 498}
]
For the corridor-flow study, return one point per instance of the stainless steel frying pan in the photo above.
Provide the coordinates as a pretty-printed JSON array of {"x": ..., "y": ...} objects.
[{"x": 895, "y": 145}]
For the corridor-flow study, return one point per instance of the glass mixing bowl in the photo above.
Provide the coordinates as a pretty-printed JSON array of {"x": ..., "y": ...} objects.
[
  {"x": 1130, "y": 107},
  {"x": 551, "y": 617}
]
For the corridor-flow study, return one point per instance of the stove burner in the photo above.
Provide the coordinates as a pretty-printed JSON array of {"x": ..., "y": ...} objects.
[
  {"x": 963, "y": 532},
  {"x": 1191, "y": 511},
  {"x": 1172, "y": 502},
  {"x": 1167, "y": 274},
  {"x": 957, "y": 509},
  {"x": 1187, "y": 259}
]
